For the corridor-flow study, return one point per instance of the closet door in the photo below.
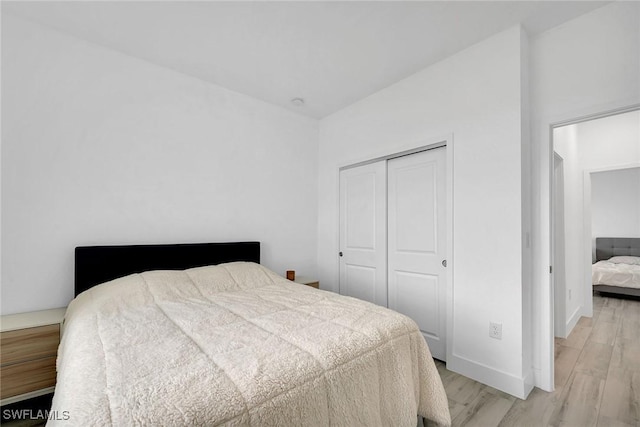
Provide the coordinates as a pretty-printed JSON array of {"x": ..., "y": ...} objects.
[
  {"x": 363, "y": 227},
  {"x": 417, "y": 243}
]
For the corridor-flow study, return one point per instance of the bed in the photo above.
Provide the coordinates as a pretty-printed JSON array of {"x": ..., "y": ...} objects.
[
  {"x": 617, "y": 266},
  {"x": 214, "y": 338}
]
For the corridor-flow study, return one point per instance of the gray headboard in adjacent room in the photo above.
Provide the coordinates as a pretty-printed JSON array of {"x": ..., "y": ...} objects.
[{"x": 607, "y": 247}]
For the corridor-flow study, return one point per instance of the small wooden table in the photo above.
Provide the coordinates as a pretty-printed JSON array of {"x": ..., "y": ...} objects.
[{"x": 308, "y": 281}]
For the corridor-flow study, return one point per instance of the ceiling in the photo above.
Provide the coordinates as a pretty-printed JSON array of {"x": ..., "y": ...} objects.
[{"x": 329, "y": 53}]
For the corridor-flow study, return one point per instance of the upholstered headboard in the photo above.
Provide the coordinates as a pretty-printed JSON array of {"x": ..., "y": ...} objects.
[
  {"x": 607, "y": 247},
  {"x": 99, "y": 264}
]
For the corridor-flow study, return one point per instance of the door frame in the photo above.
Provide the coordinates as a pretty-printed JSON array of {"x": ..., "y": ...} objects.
[
  {"x": 559, "y": 310},
  {"x": 587, "y": 254},
  {"x": 546, "y": 348},
  {"x": 446, "y": 141}
]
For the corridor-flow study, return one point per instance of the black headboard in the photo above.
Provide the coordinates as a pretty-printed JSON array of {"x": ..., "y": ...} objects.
[
  {"x": 607, "y": 247},
  {"x": 99, "y": 264}
]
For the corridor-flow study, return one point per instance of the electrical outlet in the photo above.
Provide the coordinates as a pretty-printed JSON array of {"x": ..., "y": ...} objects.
[{"x": 495, "y": 330}]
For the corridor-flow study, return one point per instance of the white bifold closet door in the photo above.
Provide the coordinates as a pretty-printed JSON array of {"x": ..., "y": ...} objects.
[
  {"x": 417, "y": 243},
  {"x": 393, "y": 238}
]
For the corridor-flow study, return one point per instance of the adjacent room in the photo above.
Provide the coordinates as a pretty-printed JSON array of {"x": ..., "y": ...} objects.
[{"x": 314, "y": 213}]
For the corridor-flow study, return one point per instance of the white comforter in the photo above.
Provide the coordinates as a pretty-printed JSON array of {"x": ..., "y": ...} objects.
[
  {"x": 616, "y": 274},
  {"x": 237, "y": 344}
]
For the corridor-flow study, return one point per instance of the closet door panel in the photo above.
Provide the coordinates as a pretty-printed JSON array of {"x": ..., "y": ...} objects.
[
  {"x": 412, "y": 287},
  {"x": 358, "y": 282},
  {"x": 414, "y": 207},
  {"x": 363, "y": 228},
  {"x": 417, "y": 242}
]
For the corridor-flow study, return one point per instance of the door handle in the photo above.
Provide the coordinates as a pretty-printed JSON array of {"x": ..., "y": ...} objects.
[
  {"x": 340, "y": 253},
  {"x": 444, "y": 262}
]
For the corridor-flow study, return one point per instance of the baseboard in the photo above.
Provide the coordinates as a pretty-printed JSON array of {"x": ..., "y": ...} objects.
[
  {"x": 503, "y": 381},
  {"x": 529, "y": 383},
  {"x": 573, "y": 320}
]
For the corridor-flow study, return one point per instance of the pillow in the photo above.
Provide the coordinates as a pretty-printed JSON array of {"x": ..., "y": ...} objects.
[{"x": 633, "y": 260}]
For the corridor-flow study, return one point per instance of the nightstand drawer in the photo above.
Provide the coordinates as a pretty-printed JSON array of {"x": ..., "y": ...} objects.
[
  {"x": 28, "y": 344},
  {"x": 25, "y": 377}
]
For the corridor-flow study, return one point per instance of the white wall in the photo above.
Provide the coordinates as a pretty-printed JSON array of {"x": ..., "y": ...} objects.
[
  {"x": 101, "y": 148},
  {"x": 615, "y": 204},
  {"x": 475, "y": 97},
  {"x": 586, "y": 66},
  {"x": 610, "y": 143}
]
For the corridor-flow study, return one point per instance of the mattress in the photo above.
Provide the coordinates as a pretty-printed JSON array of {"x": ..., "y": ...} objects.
[
  {"x": 236, "y": 344},
  {"x": 616, "y": 274}
]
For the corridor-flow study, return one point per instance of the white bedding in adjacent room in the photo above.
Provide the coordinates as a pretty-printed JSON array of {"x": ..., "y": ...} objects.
[
  {"x": 617, "y": 272},
  {"x": 237, "y": 344}
]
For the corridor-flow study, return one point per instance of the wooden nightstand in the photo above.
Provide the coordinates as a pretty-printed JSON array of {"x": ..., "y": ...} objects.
[
  {"x": 28, "y": 348},
  {"x": 308, "y": 281}
]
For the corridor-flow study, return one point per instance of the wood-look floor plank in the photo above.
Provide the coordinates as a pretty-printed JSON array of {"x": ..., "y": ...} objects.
[
  {"x": 565, "y": 360},
  {"x": 577, "y": 338},
  {"x": 594, "y": 360},
  {"x": 629, "y": 328},
  {"x": 605, "y": 302},
  {"x": 455, "y": 409},
  {"x": 626, "y": 354},
  {"x": 598, "y": 301},
  {"x": 445, "y": 375},
  {"x": 612, "y": 422},
  {"x": 631, "y": 309},
  {"x": 580, "y": 402},
  {"x": 621, "y": 399},
  {"x": 604, "y": 332},
  {"x": 610, "y": 314},
  {"x": 463, "y": 390},
  {"x": 487, "y": 409},
  {"x": 613, "y": 302},
  {"x": 535, "y": 411},
  {"x": 587, "y": 322}
]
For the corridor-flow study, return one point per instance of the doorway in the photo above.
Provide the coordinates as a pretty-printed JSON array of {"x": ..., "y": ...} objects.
[
  {"x": 393, "y": 238},
  {"x": 581, "y": 147}
]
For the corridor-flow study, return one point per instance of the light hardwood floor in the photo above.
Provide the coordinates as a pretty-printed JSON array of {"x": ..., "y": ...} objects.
[{"x": 597, "y": 379}]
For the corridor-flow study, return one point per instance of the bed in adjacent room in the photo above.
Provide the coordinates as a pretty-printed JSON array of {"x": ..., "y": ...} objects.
[
  {"x": 233, "y": 344},
  {"x": 617, "y": 266}
]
